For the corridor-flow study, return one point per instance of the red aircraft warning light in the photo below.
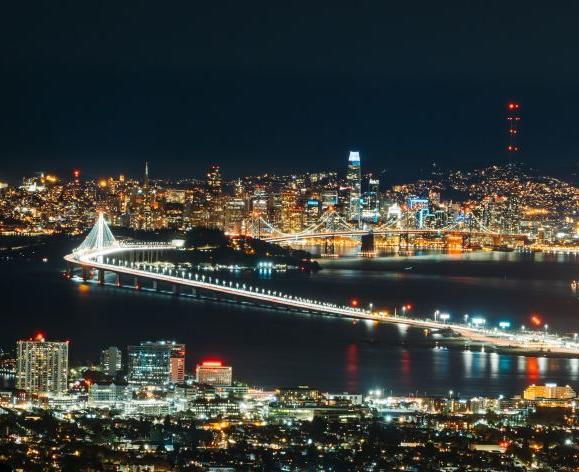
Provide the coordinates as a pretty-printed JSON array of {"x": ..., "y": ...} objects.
[
  {"x": 212, "y": 364},
  {"x": 513, "y": 119},
  {"x": 536, "y": 320},
  {"x": 354, "y": 302}
]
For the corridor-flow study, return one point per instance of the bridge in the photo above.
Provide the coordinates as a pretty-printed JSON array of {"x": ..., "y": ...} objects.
[
  {"x": 331, "y": 225},
  {"x": 102, "y": 253}
]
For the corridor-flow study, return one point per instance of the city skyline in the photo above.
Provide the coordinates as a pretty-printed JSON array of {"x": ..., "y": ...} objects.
[{"x": 289, "y": 236}]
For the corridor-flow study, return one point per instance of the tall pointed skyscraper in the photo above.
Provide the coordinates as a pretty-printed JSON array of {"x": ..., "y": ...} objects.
[{"x": 354, "y": 180}]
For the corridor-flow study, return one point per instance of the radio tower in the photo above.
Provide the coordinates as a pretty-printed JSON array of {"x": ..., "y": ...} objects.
[{"x": 513, "y": 119}]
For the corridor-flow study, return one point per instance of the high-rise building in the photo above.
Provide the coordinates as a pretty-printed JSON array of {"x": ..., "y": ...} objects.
[
  {"x": 214, "y": 198},
  {"x": 42, "y": 366},
  {"x": 177, "y": 363},
  {"x": 370, "y": 201},
  {"x": 214, "y": 181},
  {"x": 156, "y": 363},
  {"x": 312, "y": 211},
  {"x": 291, "y": 220},
  {"x": 234, "y": 216},
  {"x": 214, "y": 373},
  {"x": 111, "y": 361},
  {"x": 354, "y": 181}
]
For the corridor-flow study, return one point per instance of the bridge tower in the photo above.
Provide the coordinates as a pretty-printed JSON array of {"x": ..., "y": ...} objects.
[
  {"x": 368, "y": 245},
  {"x": 99, "y": 237},
  {"x": 329, "y": 247}
]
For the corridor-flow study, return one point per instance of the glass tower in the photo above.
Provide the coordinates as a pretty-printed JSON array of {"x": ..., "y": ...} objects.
[
  {"x": 156, "y": 363},
  {"x": 354, "y": 181}
]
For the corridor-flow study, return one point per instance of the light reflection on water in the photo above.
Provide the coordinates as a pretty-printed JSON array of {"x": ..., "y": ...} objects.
[{"x": 274, "y": 348}]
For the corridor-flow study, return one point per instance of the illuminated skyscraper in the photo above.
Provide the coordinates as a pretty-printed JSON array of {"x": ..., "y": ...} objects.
[
  {"x": 354, "y": 181},
  {"x": 291, "y": 220},
  {"x": 215, "y": 374},
  {"x": 177, "y": 363},
  {"x": 111, "y": 361},
  {"x": 42, "y": 366},
  {"x": 371, "y": 201},
  {"x": 156, "y": 363},
  {"x": 214, "y": 198},
  {"x": 214, "y": 181}
]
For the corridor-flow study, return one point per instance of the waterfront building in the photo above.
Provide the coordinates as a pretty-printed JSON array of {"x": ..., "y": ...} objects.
[
  {"x": 214, "y": 373},
  {"x": 156, "y": 363},
  {"x": 111, "y": 361},
  {"x": 354, "y": 181},
  {"x": 548, "y": 391},
  {"x": 42, "y": 366}
]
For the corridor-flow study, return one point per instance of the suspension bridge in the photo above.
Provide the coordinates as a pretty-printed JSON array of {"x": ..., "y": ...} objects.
[
  {"x": 101, "y": 253},
  {"x": 331, "y": 225}
]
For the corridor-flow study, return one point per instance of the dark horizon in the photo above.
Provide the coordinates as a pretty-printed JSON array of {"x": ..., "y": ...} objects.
[{"x": 283, "y": 88}]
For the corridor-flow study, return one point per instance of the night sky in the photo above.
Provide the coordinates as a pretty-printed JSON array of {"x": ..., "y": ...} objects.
[{"x": 282, "y": 85}]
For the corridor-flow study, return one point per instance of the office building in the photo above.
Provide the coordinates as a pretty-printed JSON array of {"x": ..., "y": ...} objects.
[
  {"x": 156, "y": 363},
  {"x": 214, "y": 374},
  {"x": 111, "y": 361},
  {"x": 354, "y": 182},
  {"x": 42, "y": 366},
  {"x": 177, "y": 363},
  {"x": 214, "y": 181}
]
